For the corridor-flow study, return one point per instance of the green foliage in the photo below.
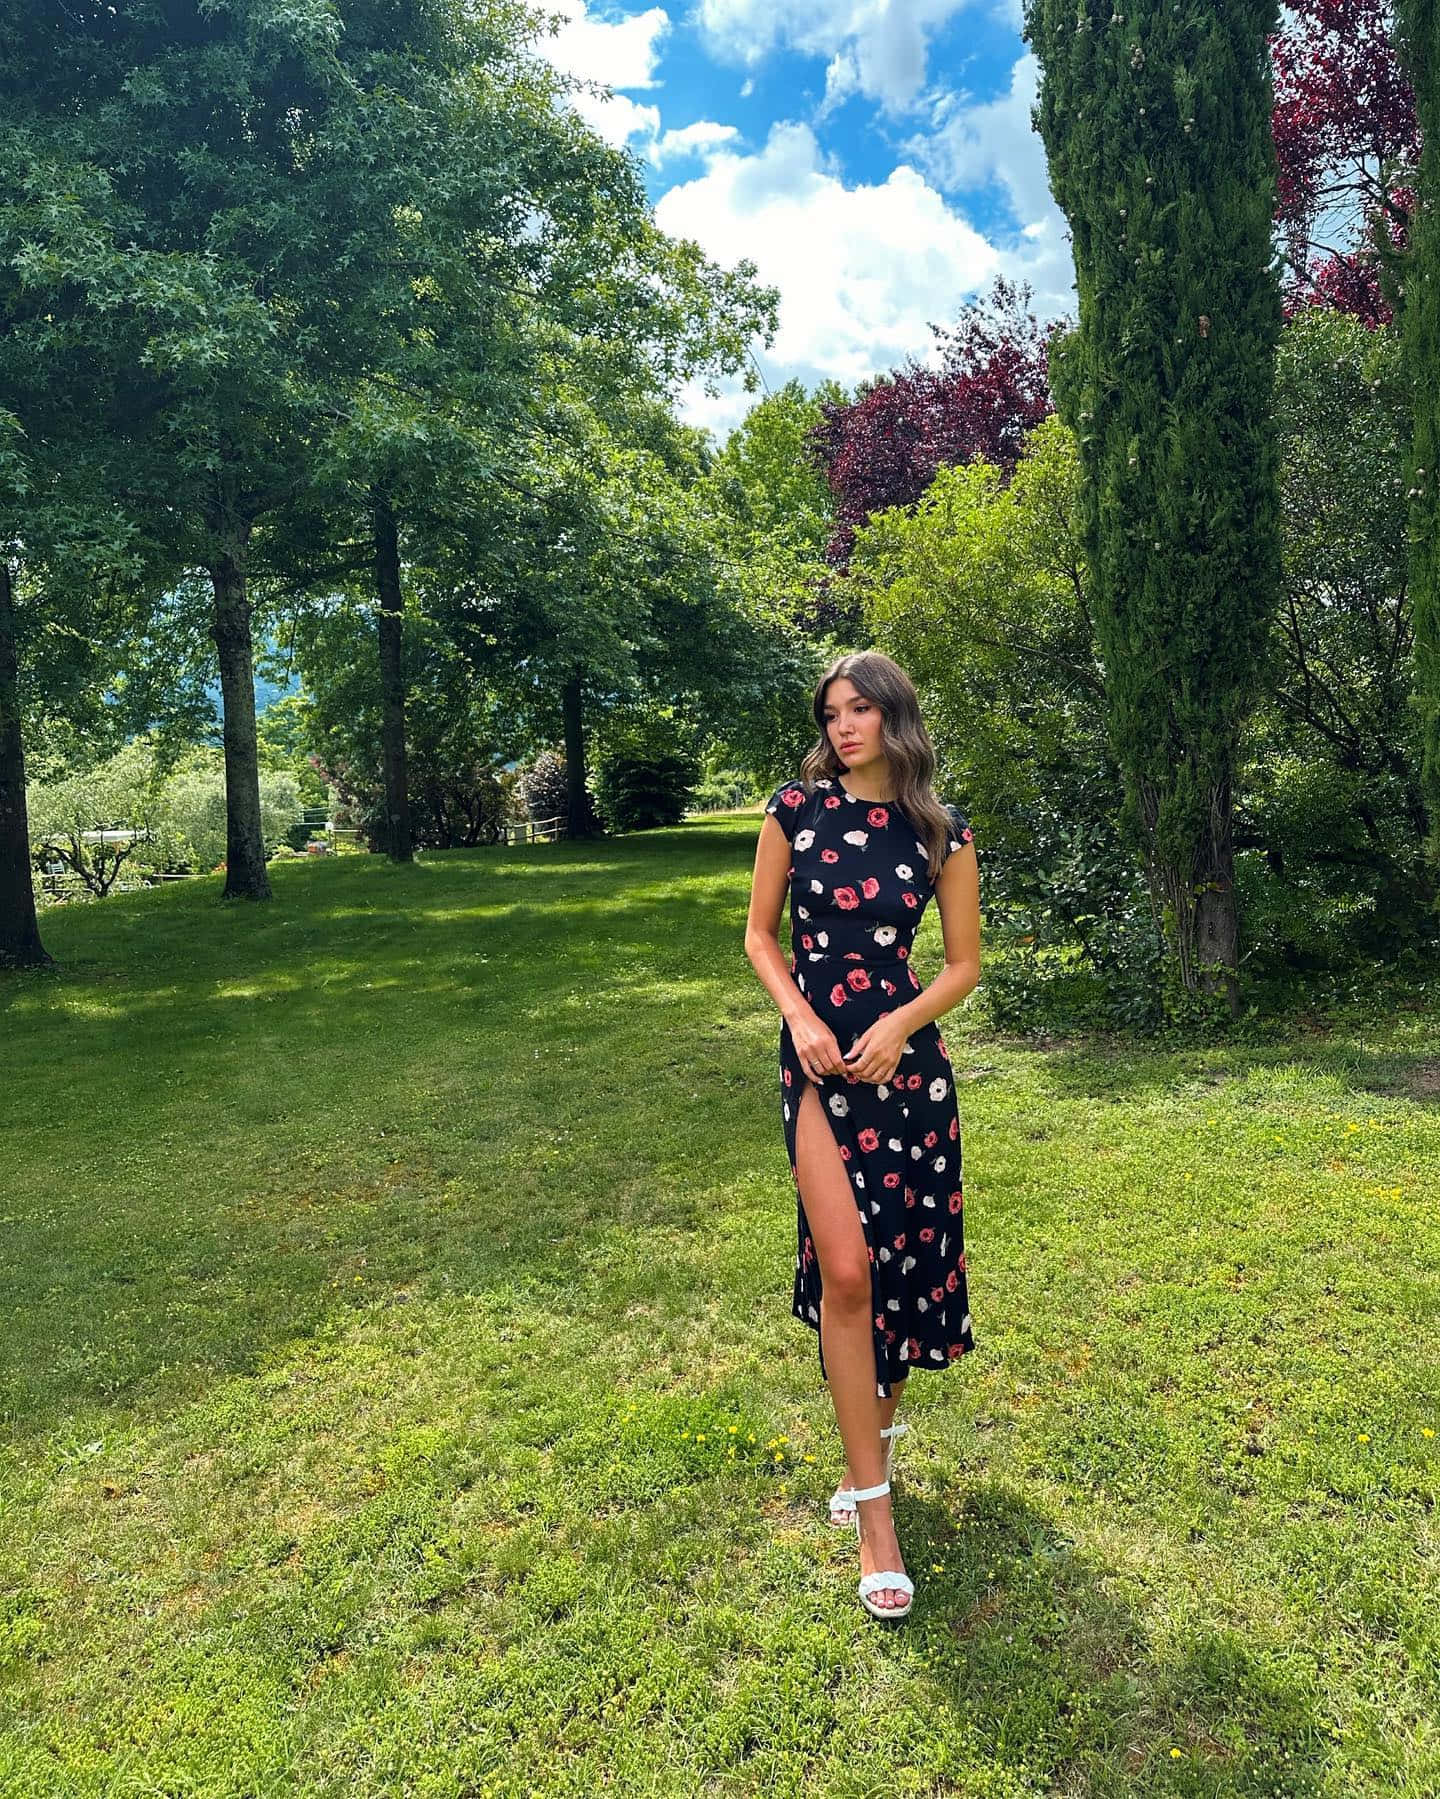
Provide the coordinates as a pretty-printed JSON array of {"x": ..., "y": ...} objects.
[
  {"x": 1332, "y": 821},
  {"x": 1156, "y": 121},
  {"x": 1419, "y": 313},
  {"x": 979, "y": 591},
  {"x": 645, "y": 772},
  {"x": 193, "y": 802},
  {"x": 459, "y": 734},
  {"x": 543, "y": 786},
  {"x": 285, "y": 737}
]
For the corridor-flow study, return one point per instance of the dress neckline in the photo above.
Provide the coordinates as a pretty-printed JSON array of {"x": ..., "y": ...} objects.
[{"x": 856, "y": 800}]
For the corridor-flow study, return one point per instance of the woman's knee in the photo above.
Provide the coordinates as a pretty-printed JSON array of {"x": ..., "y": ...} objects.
[{"x": 845, "y": 1287}]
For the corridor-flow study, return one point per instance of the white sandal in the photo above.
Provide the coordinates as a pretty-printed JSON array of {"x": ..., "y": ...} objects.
[
  {"x": 842, "y": 1510},
  {"x": 885, "y": 1578}
]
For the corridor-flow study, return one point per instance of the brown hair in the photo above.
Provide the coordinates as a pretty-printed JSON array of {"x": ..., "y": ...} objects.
[{"x": 905, "y": 741}]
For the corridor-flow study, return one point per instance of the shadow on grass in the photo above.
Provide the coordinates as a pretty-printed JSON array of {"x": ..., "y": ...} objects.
[{"x": 1039, "y": 1652}]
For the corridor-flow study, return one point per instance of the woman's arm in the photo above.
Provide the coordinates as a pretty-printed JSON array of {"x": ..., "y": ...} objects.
[
  {"x": 814, "y": 1042},
  {"x": 877, "y": 1052}
]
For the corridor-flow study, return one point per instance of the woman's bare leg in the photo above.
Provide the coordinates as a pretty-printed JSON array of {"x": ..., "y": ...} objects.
[{"x": 845, "y": 1329}]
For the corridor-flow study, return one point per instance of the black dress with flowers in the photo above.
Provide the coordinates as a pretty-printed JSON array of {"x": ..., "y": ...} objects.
[{"x": 859, "y": 884}]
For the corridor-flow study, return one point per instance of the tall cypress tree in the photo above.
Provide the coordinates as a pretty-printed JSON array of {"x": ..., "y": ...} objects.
[
  {"x": 1419, "y": 309},
  {"x": 1156, "y": 119}
]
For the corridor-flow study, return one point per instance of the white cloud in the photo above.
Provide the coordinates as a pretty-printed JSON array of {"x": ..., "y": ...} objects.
[
  {"x": 622, "y": 53},
  {"x": 975, "y": 144},
  {"x": 702, "y": 139},
  {"x": 618, "y": 53},
  {"x": 883, "y": 42},
  {"x": 861, "y": 270}
]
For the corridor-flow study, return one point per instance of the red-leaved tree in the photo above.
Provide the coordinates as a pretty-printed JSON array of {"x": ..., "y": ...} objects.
[
  {"x": 1347, "y": 144},
  {"x": 990, "y": 389}
]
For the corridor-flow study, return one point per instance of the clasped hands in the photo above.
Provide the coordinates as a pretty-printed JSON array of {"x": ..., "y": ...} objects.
[{"x": 874, "y": 1056}]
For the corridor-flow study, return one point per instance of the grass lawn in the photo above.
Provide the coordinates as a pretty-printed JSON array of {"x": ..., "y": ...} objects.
[{"x": 401, "y": 1397}]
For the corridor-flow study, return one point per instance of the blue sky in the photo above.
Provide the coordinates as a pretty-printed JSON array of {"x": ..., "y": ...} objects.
[{"x": 873, "y": 157}]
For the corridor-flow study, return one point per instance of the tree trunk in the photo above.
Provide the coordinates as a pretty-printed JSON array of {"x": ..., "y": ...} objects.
[
  {"x": 399, "y": 842},
  {"x": 245, "y": 875},
  {"x": 20, "y": 945},
  {"x": 1217, "y": 931},
  {"x": 580, "y": 822}
]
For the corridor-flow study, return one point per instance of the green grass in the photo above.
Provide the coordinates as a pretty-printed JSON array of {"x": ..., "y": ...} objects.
[{"x": 401, "y": 1396}]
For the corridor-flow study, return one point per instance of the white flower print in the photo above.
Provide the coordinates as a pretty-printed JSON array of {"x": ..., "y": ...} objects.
[
  {"x": 938, "y": 1164},
  {"x": 884, "y": 935},
  {"x": 903, "y": 869},
  {"x": 907, "y": 1264},
  {"x": 858, "y": 838},
  {"x": 802, "y": 912},
  {"x": 883, "y": 1092},
  {"x": 817, "y": 886},
  {"x": 938, "y": 1089},
  {"x": 915, "y": 1152},
  {"x": 839, "y": 1105},
  {"x": 803, "y": 839},
  {"x": 823, "y": 939},
  {"x": 884, "y": 1253},
  {"x": 922, "y": 1304},
  {"x": 896, "y": 1145},
  {"x": 892, "y": 1305}
]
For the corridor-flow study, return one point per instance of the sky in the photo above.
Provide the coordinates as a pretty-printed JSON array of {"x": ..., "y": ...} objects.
[{"x": 873, "y": 158}]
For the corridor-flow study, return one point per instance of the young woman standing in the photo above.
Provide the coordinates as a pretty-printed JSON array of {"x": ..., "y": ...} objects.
[{"x": 860, "y": 843}]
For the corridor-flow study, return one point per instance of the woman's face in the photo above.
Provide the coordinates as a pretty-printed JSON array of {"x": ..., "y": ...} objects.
[{"x": 854, "y": 725}]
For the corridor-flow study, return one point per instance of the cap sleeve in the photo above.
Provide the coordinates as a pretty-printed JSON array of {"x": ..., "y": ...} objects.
[
  {"x": 960, "y": 832},
  {"x": 785, "y": 806}
]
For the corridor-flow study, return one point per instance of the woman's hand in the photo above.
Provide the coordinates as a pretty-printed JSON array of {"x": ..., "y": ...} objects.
[
  {"x": 876, "y": 1053},
  {"x": 816, "y": 1047}
]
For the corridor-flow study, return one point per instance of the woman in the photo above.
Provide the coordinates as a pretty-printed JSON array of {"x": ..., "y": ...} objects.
[{"x": 860, "y": 843}]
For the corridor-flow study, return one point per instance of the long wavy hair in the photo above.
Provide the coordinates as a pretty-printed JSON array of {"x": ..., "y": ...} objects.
[{"x": 904, "y": 739}]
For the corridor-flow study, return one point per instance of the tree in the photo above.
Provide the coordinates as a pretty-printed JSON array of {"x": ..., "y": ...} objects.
[
  {"x": 990, "y": 390},
  {"x": 1346, "y": 141},
  {"x": 1156, "y": 123},
  {"x": 1420, "y": 327}
]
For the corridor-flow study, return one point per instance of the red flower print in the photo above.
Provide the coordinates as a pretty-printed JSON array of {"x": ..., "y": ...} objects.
[
  {"x": 807, "y": 943},
  {"x": 960, "y": 1262},
  {"x": 844, "y": 1152},
  {"x": 928, "y": 1234},
  {"x": 909, "y": 1196},
  {"x": 869, "y": 1140},
  {"x": 912, "y": 1348},
  {"x": 914, "y": 1082},
  {"x": 879, "y": 1321},
  {"x": 793, "y": 796},
  {"x": 931, "y": 1139},
  {"x": 892, "y": 1179},
  {"x": 853, "y": 955},
  {"x": 937, "y": 1294},
  {"x": 837, "y": 994},
  {"x": 954, "y": 1129},
  {"x": 913, "y": 982},
  {"x": 890, "y": 1336},
  {"x": 909, "y": 899},
  {"x": 957, "y": 1202},
  {"x": 869, "y": 886},
  {"x": 967, "y": 835},
  {"x": 900, "y": 1241},
  {"x": 846, "y": 898},
  {"x": 878, "y": 816},
  {"x": 943, "y": 1051},
  {"x": 859, "y": 980},
  {"x": 870, "y": 1252},
  {"x": 829, "y": 855},
  {"x": 889, "y": 986},
  {"x": 902, "y": 952},
  {"x": 831, "y": 803},
  {"x": 956, "y": 1351},
  {"x": 786, "y": 1073},
  {"x": 952, "y": 1281}
]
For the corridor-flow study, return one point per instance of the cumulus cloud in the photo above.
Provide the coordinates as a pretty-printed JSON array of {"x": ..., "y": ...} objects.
[
  {"x": 861, "y": 271},
  {"x": 619, "y": 53},
  {"x": 702, "y": 139},
  {"x": 877, "y": 47},
  {"x": 973, "y": 145}
]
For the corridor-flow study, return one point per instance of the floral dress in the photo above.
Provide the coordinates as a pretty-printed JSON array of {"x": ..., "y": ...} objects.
[{"x": 859, "y": 884}]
